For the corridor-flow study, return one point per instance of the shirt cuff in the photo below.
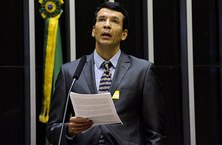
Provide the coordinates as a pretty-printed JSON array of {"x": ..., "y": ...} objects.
[{"x": 70, "y": 138}]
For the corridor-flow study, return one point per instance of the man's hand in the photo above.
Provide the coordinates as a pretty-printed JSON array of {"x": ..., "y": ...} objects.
[{"x": 78, "y": 124}]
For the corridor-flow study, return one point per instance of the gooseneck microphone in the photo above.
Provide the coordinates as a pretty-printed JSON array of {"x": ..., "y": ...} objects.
[
  {"x": 79, "y": 67},
  {"x": 75, "y": 77}
]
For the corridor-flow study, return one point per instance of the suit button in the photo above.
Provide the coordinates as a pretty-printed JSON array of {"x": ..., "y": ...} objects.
[{"x": 101, "y": 140}]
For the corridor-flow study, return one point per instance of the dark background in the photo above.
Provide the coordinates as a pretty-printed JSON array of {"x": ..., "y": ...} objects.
[{"x": 169, "y": 59}]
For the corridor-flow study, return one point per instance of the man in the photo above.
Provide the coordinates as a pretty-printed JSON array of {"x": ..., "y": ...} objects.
[{"x": 140, "y": 104}]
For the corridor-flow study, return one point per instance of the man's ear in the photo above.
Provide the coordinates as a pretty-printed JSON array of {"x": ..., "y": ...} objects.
[
  {"x": 124, "y": 34},
  {"x": 93, "y": 31}
]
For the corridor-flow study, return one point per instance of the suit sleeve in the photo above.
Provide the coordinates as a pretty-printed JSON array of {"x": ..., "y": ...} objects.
[
  {"x": 57, "y": 107},
  {"x": 153, "y": 109}
]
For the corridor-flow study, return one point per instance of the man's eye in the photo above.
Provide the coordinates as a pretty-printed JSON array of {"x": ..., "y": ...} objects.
[
  {"x": 115, "y": 21},
  {"x": 101, "y": 20}
]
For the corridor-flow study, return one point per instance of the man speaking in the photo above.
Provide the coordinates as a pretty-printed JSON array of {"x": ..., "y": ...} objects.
[{"x": 138, "y": 102}]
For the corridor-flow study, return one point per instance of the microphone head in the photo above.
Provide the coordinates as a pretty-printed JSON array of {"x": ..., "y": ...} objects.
[{"x": 79, "y": 67}]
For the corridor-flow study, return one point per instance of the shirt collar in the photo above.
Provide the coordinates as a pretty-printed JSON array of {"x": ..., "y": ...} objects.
[{"x": 99, "y": 60}]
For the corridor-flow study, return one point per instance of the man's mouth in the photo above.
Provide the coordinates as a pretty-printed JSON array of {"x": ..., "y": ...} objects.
[{"x": 105, "y": 34}]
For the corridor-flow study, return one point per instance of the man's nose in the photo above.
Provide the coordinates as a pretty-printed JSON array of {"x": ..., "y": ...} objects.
[{"x": 107, "y": 23}]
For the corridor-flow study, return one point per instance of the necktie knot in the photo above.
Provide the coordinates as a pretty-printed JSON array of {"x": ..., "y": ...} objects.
[
  {"x": 106, "y": 65},
  {"x": 105, "y": 81}
]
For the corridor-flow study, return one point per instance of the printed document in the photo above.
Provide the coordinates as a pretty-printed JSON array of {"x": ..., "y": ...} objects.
[{"x": 97, "y": 107}]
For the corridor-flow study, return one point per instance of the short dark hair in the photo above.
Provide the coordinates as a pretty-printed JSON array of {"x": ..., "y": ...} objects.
[{"x": 116, "y": 7}]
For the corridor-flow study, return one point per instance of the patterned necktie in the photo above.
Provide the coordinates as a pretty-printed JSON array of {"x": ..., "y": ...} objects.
[
  {"x": 105, "y": 81},
  {"x": 104, "y": 86}
]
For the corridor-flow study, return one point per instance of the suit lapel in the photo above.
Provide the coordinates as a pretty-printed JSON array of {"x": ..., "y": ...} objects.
[
  {"x": 90, "y": 74},
  {"x": 122, "y": 67}
]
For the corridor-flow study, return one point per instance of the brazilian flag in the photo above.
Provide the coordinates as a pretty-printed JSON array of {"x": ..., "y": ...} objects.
[{"x": 51, "y": 12}]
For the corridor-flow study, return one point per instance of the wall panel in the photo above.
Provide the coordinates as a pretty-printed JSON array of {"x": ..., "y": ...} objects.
[{"x": 12, "y": 104}]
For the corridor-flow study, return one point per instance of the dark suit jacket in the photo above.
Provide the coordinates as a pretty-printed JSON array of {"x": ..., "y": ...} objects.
[{"x": 140, "y": 105}]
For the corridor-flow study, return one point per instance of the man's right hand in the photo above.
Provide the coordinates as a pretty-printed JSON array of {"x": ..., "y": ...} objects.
[{"x": 77, "y": 125}]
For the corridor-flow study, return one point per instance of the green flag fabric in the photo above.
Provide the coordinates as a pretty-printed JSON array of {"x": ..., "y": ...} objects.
[
  {"x": 50, "y": 11},
  {"x": 53, "y": 58}
]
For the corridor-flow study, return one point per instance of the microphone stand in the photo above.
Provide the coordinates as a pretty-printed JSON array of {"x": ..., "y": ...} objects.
[
  {"x": 75, "y": 77},
  {"x": 64, "y": 115}
]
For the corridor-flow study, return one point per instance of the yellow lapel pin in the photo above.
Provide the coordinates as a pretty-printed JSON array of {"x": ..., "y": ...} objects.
[{"x": 116, "y": 95}]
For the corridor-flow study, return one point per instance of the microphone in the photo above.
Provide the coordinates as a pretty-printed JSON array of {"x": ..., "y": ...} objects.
[
  {"x": 79, "y": 67},
  {"x": 75, "y": 77}
]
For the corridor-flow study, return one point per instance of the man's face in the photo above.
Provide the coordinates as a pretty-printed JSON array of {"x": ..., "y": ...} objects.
[{"x": 108, "y": 28}]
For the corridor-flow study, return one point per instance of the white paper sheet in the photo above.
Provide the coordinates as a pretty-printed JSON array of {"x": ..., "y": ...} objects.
[{"x": 97, "y": 107}]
